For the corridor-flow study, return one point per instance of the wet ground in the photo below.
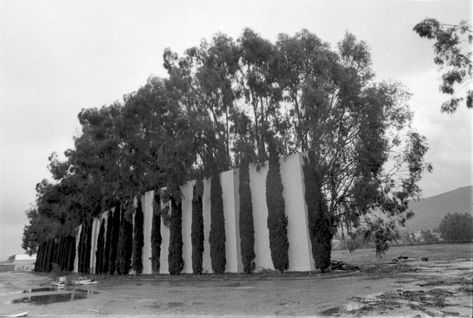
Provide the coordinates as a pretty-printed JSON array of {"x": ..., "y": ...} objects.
[{"x": 408, "y": 287}]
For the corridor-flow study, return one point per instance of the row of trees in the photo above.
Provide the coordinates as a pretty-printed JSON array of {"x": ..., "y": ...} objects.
[{"x": 225, "y": 104}]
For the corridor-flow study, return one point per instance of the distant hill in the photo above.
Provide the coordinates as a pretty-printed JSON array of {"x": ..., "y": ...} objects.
[{"x": 430, "y": 211}]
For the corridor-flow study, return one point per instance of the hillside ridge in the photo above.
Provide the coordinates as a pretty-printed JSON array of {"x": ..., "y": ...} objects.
[{"x": 429, "y": 211}]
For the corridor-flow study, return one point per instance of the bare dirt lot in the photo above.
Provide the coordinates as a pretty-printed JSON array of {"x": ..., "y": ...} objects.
[{"x": 441, "y": 286}]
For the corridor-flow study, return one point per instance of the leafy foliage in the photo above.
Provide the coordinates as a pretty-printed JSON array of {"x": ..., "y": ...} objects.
[
  {"x": 125, "y": 244},
  {"x": 197, "y": 227},
  {"x": 456, "y": 227},
  {"x": 217, "y": 226},
  {"x": 277, "y": 219},
  {"x": 100, "y": 249},
  {"x": 247, "y": 231},
  {"x": 138, "y": 240},
  {"x": 115, "y": 224},
  {"x": 320, "y": 223},
  {"x": 175, "y": 260},
  {"x": 156, "y": 235},
  {"x": 106, "y": 253},
  {"x": 229, "y": 101},
  {"x": 453, "y": 56}
]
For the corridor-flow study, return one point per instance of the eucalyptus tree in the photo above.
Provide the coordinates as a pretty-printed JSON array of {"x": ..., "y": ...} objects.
[
  {"x": 453, "y": 55},
  {"x": 362, "y": 154}
]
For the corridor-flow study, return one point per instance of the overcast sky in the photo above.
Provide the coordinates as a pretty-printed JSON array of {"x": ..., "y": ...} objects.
[{"x": 58, "y": 57}]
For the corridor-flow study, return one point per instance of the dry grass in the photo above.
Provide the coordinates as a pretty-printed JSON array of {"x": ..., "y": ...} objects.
[{"x": 434, "y": 252}]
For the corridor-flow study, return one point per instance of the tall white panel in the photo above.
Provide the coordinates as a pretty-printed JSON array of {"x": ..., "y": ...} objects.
[
  {"x": 236, "y": 194},
  {"x": 147, "y": 204},
  {"x": 76, "y": 257},
  {"x": 163, "y": 259},
  {"x": 227, "y": 180},
  {"x": 187, "y": 192},
  {"x": 93, "y": 244},
  {"x": 296, "y": 210},
  {"x": 206, "y": 262},
  {"x": 260, "y": 217}
]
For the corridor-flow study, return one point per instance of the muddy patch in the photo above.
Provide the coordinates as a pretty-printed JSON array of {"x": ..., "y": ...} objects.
[
  {"x": 48, "y": 299},
  {"x": 50, "y": 295}
]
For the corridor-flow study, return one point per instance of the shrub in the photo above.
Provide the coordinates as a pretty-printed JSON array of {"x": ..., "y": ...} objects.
[
  {"x": 71, "y": 254},
  {"x": 217, "y": 226},
  {"x": 156, "y": 235},
  {"x": 247, "y": 231},
  {"x": 138, "y": 239},
  {"x": 88, "y": 247},
  {"x": 319, "y": 222},
  {"x": 38, "y": 266},
  {"x": 175, "y": 260},
  {"x": 125, "y": 244},
  {"x": 112, "y": 262},
  {"x": 100, "y": 249},
  {"x": 81, "y": 249},
  {"x": 197, "y": 231},
  {"x": 457, "y": 228},
  {"x": 106, "y": 254},
  {"x": 277, "y": 219}
]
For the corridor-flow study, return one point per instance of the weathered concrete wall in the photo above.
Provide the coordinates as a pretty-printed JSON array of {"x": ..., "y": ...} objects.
[
  {"x": 300, "y": 257},
  {"x": 292, "y": 177},
  {"x": 230, "y": 212},
  {"x": 206, "y": 263},
  {"x": 163, "y": 259},
  {"x": 147, "y": 204},
  {"x": 93, "y": 244},
  {"x": 260, "y": 217},
  {"x": 187, "y": 192},
  {"x": 76, "y": 257}
]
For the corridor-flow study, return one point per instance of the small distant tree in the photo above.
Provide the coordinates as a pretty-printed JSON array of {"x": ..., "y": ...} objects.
[
  {"x": 381, "y": 233},
  {"x": 428, "y": 236},
  {"x": 457, "y": 228}
]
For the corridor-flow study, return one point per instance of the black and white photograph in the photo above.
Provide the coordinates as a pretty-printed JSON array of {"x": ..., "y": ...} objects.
[{"x": 237, "y": 158}]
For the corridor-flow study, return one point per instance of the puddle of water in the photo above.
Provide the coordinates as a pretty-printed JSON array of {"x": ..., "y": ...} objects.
[
  {"x": 45, "y": 298},
  {"x": 49, "y": 289},
  {"x": 40, "y": 289},
  {"x": 48, "y": 299}
]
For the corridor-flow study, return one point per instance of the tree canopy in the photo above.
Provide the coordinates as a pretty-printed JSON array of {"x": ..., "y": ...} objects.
[
  {"x": 452, "y": 50},
  {"x": 227, "y": 100}
]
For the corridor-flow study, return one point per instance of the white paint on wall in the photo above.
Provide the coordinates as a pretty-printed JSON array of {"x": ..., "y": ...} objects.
[
  {"x": 300, "y": 255},
  {"x": 93, "y": 244},
  {"x": 227, "y": 180},
  {"x": 147, "y": 205},
  {"x": 236, "y": 194},
  {"x": 260, "y": 217},
  {"x": 206, "y": 262},
  {"x": 76, "y": 257},
  {"x": 187, "y": 192},
  {"x": 295, "y": 207}
]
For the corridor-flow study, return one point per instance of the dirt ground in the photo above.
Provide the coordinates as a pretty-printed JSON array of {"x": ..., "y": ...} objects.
[{"x": 441, "y": 286}]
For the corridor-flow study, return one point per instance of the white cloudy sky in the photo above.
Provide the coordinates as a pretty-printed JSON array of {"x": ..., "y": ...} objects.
[{"x": 58, "y": 57}]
